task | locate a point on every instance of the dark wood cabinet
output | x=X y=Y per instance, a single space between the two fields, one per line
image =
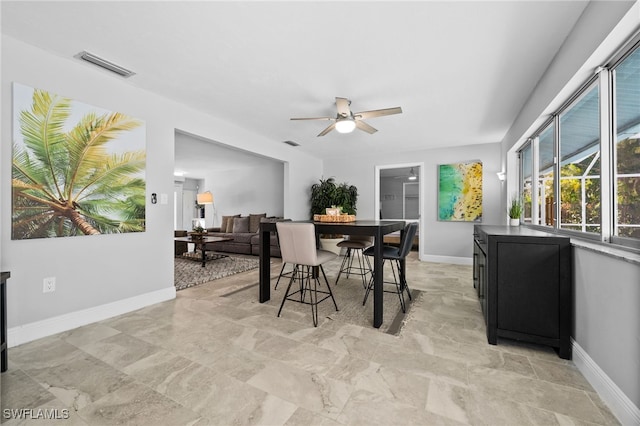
x=4 y=276
x=523 y=280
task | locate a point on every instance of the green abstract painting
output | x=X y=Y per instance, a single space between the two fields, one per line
x=460 y=192
x=76 y=169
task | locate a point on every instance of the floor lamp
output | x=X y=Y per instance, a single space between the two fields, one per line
x=204 y=198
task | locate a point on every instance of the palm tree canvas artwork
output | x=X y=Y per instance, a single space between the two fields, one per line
x=77 y=169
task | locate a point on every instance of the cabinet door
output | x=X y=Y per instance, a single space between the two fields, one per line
x=528 y=288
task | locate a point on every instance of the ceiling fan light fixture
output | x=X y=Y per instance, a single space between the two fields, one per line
x=345 y=125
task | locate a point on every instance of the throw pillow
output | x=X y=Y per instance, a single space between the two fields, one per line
x=241 y=224
x=227 y=223
x=254 y=221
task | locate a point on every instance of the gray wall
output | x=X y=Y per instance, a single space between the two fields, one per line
x=444 y=241
x=258 y=189
x=98 y=272
x=241 y=183
x=607 y=292
x=607 y=316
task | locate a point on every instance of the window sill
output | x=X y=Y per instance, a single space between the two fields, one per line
x=617 y=251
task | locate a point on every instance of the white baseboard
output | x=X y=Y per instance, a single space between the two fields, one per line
x=447 y=259
x=619 y=404
x=50 y=326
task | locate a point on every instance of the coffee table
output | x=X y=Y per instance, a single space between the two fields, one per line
x=202 y=242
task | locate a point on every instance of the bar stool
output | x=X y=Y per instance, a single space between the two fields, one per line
x=395 y=255
x=298 y=247
x=355 y=245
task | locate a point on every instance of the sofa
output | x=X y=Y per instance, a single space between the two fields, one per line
x=243 y=234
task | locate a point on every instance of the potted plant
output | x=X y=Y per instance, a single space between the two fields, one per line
x=327 y=194
x=197 y=232
x=515 y=211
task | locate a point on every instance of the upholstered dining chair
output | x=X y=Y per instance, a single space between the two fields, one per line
x=298 y=247
x=355 y=245
x=395 y=255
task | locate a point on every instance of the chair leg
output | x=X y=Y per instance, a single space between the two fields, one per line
x=366 y=293
x=342 y=265
x=351 y=256
x=364 y=269
x=399 y=286
x=286 y=293
x=313 y=294
x=403 y=280
x=398 y=279
x=328 y=287
x=280 y=275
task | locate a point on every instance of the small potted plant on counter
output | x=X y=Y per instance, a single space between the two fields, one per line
x=515 y=211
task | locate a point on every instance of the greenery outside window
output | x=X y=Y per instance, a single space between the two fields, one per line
x=526 y=165
x=580 y=164
x=627 y=146
x=585 y=160
x=546 y=167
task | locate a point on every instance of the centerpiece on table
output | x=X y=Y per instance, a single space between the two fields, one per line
x=331 y=202
x=198 y=233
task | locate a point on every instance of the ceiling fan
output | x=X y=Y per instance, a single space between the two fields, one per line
x=346 y=121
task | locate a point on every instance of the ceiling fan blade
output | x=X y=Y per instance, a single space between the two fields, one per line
x=342 y=104
x=378 y=113
x=365 y=127
x=328 y=129
x=313 y=118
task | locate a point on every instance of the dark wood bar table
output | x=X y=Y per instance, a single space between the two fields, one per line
x=375 y=228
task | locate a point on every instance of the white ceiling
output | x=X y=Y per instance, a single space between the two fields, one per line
x=461 y=71
x=196 y=157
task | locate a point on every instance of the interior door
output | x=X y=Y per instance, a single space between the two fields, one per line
x=411 y=200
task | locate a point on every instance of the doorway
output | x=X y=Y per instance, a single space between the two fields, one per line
x=398 y=193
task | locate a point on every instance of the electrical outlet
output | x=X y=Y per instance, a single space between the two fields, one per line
x=49 y=284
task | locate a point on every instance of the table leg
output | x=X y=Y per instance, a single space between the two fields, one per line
x=204 y=257
x=378 y=283
x=265 y=266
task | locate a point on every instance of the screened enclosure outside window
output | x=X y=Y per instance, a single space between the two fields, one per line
x=596 y=131
x=580 y=164
x=526 y=164
x=627 y=148
x=546 y=165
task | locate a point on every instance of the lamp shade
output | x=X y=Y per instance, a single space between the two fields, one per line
x=205 y=198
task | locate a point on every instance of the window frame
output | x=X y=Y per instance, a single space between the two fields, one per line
x=604 y=79
x=632 y=47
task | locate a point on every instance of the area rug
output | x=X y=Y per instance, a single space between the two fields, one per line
x=349 y=294
x=189 y=273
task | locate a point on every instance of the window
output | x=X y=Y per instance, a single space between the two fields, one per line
x=627 y=146
x=580 y=164
x=546 y=167
x=588 y=154
x=526 y=165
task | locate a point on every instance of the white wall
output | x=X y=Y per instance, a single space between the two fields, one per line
x=125 y=271
x=443 y=241
x=258 y=189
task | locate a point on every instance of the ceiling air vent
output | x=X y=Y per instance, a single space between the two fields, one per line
x=292 y=143
x=103 y=63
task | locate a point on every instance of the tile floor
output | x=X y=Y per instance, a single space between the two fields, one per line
x=204 y=359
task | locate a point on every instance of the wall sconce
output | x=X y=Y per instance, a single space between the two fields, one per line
x=501 y=176
x=205 y=198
